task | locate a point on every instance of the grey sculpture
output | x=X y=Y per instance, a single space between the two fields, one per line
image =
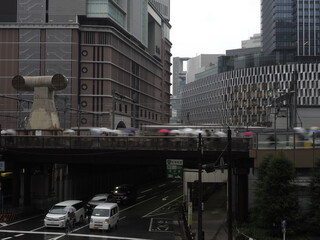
x=43 y=114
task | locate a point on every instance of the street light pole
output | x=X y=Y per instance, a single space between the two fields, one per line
x=200 y=150
x=229 y=186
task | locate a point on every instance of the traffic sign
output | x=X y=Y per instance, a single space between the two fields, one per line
x=174 y=168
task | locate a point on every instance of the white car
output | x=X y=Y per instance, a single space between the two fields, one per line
x=57 y=215
x=104 y=216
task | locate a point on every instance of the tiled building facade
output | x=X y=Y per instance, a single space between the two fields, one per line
x=117 y=60
x=244 y=97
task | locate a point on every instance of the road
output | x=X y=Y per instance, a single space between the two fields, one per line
x=151 y=217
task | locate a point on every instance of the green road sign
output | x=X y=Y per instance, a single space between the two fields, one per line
x=174 y=168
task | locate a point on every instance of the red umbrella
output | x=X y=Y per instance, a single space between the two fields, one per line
x=163 y=130
x=248 y=133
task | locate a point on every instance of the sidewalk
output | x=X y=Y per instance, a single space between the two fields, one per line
x=214 y=217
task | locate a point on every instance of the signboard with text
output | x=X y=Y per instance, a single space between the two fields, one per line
x=174 y=168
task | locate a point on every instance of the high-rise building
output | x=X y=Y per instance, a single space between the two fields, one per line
x=199 y=63
x=276 y=87
x=115 y=53
x=178 y=81
x=291 y=28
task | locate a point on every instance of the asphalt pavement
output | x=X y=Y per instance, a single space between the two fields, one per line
x=214 y=218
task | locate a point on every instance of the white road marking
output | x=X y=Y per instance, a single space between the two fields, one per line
x=148 y=190
x=37 y=229
x=26 y=219
x=70 y=234
x=137 y=204
x=3 y=224
x=148 y=214
x=19 y=235
x=120 y=219
x=6 y=238
x=141 y=197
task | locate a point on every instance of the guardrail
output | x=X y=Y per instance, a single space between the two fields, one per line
x=284 y=141
x=181 y=143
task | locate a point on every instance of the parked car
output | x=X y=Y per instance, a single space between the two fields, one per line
x=99 y=199
x=57 y=215
x=125 y=194
x=104 y=216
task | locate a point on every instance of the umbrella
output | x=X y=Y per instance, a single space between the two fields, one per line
x=132 y=129
x=95 y=131
x=4 y=132
x=175 y=131
x=299 y=130
x=69 y=131
x=163 y=130
x=249 y=133
x=220 y=134
x=70 y=209
x=128 y=131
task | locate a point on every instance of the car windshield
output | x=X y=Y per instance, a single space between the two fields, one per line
x=58 y=210
x=99 y=198
x=100 y=212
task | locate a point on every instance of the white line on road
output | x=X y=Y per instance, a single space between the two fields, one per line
x=6 y=238
x=122 y=218
x=37 y=229
x=141 y=197
x=70 y=234
x=19 y=235
x=161 y=207
x=148 y=190
x=137 y=204
x=26 y=219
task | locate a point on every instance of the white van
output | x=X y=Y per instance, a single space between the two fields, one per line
x=104 y=216
x=57 y=215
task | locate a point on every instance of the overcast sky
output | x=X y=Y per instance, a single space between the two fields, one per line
x=211 y=26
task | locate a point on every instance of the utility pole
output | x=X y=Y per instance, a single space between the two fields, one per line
x=293 y=99
x=229 y=186
x=200 y=150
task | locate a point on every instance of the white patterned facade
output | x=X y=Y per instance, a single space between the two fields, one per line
x=244 y=97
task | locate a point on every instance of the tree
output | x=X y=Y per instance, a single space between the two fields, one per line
x=276 y=198
x=315 y=197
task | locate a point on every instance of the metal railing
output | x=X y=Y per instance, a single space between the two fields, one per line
x=181 y=143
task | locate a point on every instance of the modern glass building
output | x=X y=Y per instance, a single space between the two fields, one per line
x=242 y=88
x=291 y=28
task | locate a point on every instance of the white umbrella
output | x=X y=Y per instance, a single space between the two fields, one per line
x=300 y=130
x=220 y=134
x=175 y=131
x=11 y=131
x=69 y=131
x=70 y=209
x=95 y=131
x=4 y=132
x=187 y=131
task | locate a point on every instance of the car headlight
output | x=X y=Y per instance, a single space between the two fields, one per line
x=61 y=218
x=106 y=221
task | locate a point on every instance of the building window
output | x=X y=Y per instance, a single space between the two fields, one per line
x=83 y=120
x=84 y=53
x=84 y=69
x=84 y=103
x=84 y=86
